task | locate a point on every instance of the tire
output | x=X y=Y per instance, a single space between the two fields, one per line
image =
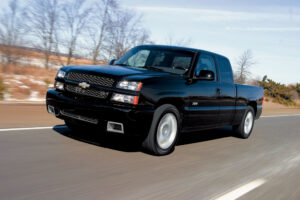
x=244 y=129
x=164 y=131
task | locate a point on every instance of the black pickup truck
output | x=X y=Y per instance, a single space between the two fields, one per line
x=157 y=92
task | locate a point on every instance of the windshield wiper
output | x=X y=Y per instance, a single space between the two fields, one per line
x=147 y=67
x=121 y=64
x=153 y=68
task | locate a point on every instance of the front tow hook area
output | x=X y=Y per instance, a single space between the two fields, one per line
x=52 y=110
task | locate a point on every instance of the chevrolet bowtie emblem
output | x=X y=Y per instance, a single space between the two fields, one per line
x=84 y=85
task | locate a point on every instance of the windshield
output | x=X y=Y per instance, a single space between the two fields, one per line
x=158 y=58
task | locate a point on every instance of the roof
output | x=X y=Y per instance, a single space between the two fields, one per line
x=183 y=48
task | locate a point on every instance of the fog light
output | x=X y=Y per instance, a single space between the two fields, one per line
x=51 y=110
x=115 y=127
x=59 y=85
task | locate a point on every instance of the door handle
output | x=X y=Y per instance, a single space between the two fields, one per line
x=218 y=91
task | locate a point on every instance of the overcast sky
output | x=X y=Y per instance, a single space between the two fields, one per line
x=271 y=29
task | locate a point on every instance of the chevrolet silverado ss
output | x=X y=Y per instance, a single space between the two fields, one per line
x=156 y=92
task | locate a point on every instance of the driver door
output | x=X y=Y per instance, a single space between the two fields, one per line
x=203 y=110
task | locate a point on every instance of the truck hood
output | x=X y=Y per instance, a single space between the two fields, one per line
x=114 y=71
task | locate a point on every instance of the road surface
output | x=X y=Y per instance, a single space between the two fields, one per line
x=54 y=163
x=28 y=114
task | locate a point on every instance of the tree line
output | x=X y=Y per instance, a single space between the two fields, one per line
x=97 y=30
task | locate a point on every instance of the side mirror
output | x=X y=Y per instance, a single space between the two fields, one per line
x=206 y=75
x=112 y=62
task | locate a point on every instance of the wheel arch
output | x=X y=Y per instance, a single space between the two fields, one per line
x=253 y=104
x=177 y=102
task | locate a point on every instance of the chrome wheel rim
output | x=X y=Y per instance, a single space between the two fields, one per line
x=248 y=123
x=166 y=131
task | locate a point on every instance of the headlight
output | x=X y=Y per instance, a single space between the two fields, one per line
x=61 y=74
x=125 y=98
x=130 y=85
x=59 y=85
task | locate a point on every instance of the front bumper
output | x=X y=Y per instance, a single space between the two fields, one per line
x=136 y=120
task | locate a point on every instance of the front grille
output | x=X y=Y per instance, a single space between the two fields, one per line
x=92 y=79
x=87 y=92
x=79 y=117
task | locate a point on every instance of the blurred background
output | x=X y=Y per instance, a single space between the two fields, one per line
x=261 y=38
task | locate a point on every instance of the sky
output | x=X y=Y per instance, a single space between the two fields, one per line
x=269 y=28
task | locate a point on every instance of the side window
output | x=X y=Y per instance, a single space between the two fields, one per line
x=205 y=62
x=225 y=70
x=139 y=59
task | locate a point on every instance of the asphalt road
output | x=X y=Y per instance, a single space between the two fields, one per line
x=56 y=164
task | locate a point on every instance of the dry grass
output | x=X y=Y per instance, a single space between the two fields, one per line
x=271 y=108
x=21 y=81
x=29 y=71
x=19 y=93
x=271 y=103
x=2 y=88
x=59 y=60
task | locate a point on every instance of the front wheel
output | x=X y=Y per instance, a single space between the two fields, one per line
x=244 y=129
x=163 y=134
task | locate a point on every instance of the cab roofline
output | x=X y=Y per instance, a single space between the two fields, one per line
x=181 y=48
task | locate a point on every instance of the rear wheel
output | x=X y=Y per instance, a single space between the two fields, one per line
x=163 y=134
x=244 y=129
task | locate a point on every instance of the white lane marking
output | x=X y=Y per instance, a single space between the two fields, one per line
x=25 y=129
x=269 y=116
x=237 y=193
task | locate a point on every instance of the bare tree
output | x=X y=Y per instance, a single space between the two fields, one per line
x=74 y=21
x=126 y=32
x=244 y=63
x=54 y=26
x=102 y=17
x=114 y=31
x=42 y=18
x=11 y=32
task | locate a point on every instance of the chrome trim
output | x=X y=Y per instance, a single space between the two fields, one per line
x=84 y=85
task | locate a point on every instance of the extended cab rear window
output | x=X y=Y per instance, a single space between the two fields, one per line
x=224 y=67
